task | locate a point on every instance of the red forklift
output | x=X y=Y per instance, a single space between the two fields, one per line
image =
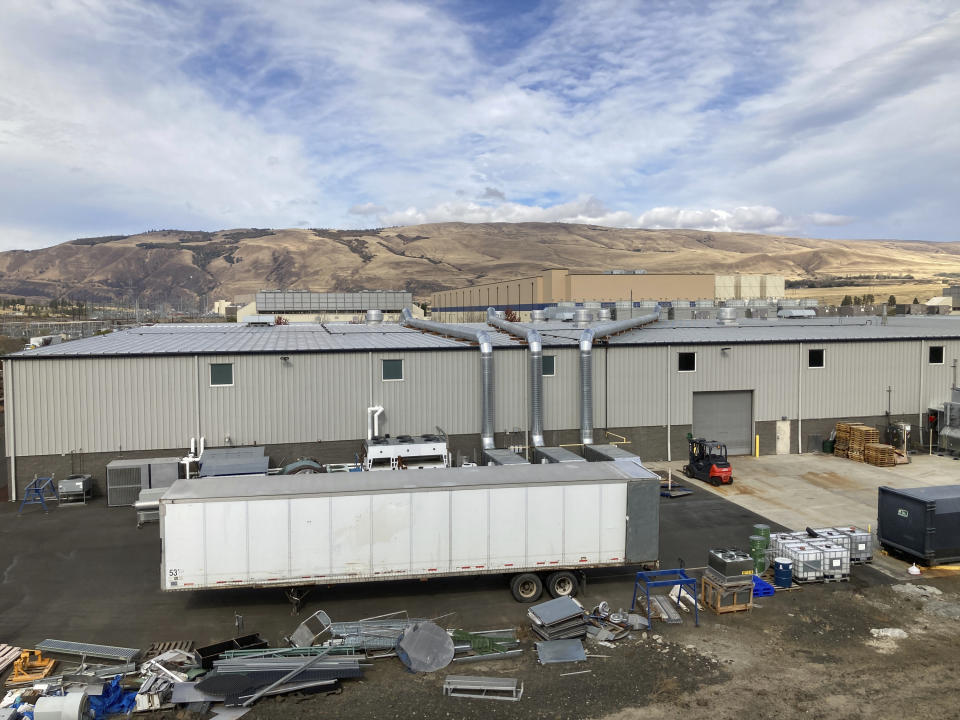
x=708 y=462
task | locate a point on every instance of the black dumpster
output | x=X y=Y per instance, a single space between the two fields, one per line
x=923 y=523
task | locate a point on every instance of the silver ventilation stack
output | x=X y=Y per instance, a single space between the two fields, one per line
x=487 y=386
x=586 y=366
x=534 y=369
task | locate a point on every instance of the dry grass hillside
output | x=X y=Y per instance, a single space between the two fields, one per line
x=171 y=265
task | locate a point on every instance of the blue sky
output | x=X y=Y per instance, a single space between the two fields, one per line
x=824 y=119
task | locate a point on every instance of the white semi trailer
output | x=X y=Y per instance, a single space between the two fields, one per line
x=540 y=524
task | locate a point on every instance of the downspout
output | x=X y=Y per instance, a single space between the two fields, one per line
x=482 y=338
x=534 y=371
x=12 y=407
x=587 y=338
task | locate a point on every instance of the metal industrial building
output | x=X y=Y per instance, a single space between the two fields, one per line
x=551 y=287
x=305 y=389
x=307 y=306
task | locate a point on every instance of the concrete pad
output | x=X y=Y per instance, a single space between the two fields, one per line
x=817 y=490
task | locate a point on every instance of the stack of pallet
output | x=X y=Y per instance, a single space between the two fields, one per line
x=880 y=455
x=860 y=437
x=842 y=442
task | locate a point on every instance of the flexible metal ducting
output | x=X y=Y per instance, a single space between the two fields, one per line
x=482 y=338
x=587 y=339
x=535 y=370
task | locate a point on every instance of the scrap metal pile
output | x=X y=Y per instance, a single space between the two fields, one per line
x=101 y=680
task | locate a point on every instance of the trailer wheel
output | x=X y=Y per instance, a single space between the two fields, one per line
x=526 y=587
x=562 y=584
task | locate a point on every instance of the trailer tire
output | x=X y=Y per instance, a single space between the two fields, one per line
x=526 y=587
x=562 y=584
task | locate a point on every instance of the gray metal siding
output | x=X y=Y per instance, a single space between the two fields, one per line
x=437 y=389
x=310 y=397
x=511 y=391
x=561 y=393
x=855 y=377
x=103 y=404
x=99 y=405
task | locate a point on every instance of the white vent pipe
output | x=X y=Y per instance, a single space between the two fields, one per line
x=535 y=370
x=587 y=339
x=482 y=338
x=373 y=421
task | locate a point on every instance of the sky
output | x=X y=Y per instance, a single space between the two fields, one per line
x=822 y=119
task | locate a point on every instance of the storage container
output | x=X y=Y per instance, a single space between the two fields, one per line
x=921 y=522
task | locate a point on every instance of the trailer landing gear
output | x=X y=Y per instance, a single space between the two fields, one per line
x=296 y=597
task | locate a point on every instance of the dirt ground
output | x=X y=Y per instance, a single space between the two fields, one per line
x=808 y=653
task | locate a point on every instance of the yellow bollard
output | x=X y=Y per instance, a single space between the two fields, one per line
x=756 y=445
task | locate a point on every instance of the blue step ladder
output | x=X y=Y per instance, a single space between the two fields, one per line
x=35 y=493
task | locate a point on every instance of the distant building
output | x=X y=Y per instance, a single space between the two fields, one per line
x=953 y=292
x=226 y=309
x=307 y=306
x=553 y=287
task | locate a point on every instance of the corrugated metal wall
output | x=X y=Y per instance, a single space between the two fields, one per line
x=104 y=404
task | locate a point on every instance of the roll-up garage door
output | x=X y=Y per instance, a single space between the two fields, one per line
x=726 y=417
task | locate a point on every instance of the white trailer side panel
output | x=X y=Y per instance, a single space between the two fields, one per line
x=310 y=537
x=613 y=525
x=300 y=538
x=507 y=528
x=268 y=525
x=351 y=524
x=430 y=533
x=390 y=550
x=544 y=514
x=470 y=546
x=226 y=543
x=581 y=527
x=183 y=552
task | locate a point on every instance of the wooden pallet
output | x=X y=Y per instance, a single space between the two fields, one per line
x=768 y=576
x=8 y=654
x=880 y=455
x=722 y=599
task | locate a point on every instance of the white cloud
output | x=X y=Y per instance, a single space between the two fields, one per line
x=120 y=116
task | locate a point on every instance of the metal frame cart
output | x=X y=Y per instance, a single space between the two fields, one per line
x=36 y=490
x=647 y=580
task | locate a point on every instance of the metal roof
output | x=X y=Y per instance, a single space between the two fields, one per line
x=233 y=338
x=247 y=486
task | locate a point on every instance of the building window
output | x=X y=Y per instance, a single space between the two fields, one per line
x=936 y=354
x=687 y=362
x=815 y=358
x=549 y=365
x=221 y=374
x=391 y=370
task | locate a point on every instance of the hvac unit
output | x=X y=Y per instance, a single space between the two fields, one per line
x=126 y=478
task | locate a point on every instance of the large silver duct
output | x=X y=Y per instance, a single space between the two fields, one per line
x=587 y=339
x=535 y=370
x=482 y=338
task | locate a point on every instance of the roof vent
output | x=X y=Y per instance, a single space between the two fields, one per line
x=374 y=317
x=726 y=316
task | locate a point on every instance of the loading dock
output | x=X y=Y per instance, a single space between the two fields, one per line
x=726 y=417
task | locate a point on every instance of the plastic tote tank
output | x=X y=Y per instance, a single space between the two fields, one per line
x=921 y=522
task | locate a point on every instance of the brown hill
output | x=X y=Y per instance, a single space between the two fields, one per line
x=173 y=265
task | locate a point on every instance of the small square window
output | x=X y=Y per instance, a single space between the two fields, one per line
x=687 y=362
x=221 y=374
x=936 y=354
x=815 y=358
x=549 y=365
x=391 y=370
